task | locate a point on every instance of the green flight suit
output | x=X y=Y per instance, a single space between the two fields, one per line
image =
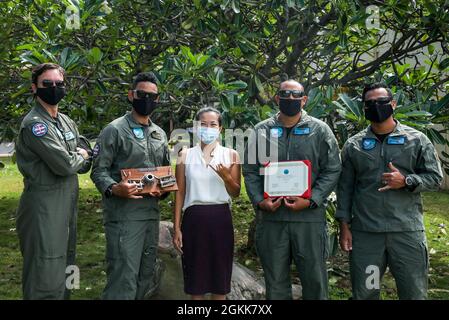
x=285 y=235
x=47 y=213
x=387 y=227
x=131 y=225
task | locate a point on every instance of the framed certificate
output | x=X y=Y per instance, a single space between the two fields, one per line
x=288 y=179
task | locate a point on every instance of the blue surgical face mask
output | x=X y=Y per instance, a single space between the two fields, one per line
x=207 y=135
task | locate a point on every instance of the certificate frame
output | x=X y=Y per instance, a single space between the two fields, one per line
x=307 y=194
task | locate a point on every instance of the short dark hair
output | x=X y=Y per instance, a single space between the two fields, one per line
x=209 y=109
x=41 y=68
x=144 y=77
x=373 y=86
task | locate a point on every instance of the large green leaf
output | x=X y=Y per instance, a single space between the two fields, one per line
x=236 y=85
x=94 y=55
x=350 y=105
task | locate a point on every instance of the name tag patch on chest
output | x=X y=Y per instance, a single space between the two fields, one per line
x=398 y=140
x=276 y=132
x=39 y=129
x=138 y=133
x=368 y=143
x=156 y=135
x=69 y=135
x=301 y=131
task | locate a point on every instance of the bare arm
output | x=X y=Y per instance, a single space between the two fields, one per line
x=233 y=185
x=231 y=175
x=179 y=199
x=181 y=192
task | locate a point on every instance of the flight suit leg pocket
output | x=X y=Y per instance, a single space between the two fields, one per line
x=115 y=237
x=325 y=243
x=51 y=276
x=259 y=238
x=425 y=253
x=149 y=253
x=50 y=242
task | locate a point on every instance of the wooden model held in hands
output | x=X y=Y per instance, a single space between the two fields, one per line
x=151 y=179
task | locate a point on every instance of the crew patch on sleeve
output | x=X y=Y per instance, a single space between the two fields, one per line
x=96 y=150
x=39 y=129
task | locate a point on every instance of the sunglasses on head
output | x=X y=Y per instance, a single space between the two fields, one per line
x=378 y=101
x=294 y=93
x=50 y=83
x=140 y=94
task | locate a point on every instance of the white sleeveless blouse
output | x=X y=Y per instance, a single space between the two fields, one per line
x=203 y=185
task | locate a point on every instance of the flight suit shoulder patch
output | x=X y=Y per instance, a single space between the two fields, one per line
x=276 y=132
x=368 y=143
x=96 y=150
x=39 y=129
x=138 y=133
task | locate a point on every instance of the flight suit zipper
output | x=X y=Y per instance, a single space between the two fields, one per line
x=60 y=127
x=383 y=170
x=288 y=144
x=147 y=149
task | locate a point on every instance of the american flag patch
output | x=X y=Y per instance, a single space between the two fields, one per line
x=39 y=129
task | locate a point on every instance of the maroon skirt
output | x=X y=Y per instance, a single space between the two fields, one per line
x=208 y=249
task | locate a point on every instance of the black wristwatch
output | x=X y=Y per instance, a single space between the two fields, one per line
x=312 y=204
x=410 y=183
x=108 y=192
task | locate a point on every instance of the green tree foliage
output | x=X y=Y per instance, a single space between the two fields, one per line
x=230 y=53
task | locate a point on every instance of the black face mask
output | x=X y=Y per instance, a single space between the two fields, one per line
x=51 y=95
x=378 y=110
x=290 y=107
x=144 y=106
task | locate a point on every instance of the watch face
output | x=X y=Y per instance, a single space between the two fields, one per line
x=408 y=181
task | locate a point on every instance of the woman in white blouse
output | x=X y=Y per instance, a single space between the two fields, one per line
x=208 y=176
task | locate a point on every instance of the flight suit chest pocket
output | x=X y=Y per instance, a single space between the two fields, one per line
x=156 y=140
x=402 y=156
x=134 y=147
x=365 y=160
x=70 y=139
x=67 y=136
x=157 y=148
x=157 y=145
x=301 y=145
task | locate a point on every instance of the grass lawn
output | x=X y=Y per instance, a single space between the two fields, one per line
x=91 y=243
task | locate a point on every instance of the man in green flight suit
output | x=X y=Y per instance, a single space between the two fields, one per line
x=293 y=227
x=385 y=169
x=49 y=159
x=131 y=221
